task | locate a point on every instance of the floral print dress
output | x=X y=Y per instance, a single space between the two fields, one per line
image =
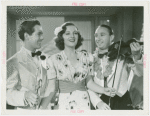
x=60 y=67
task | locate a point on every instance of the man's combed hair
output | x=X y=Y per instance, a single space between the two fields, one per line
x=60 y=40
x=27 y=27
x=109 y=29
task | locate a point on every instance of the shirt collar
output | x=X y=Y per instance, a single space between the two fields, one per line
x=103 y=51
x=28 y=51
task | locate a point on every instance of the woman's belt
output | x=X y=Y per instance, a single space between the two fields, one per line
x=67 y=86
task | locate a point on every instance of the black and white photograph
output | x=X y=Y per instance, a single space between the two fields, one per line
x=75 y=58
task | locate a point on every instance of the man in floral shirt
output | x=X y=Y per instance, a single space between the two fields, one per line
x=105 y=68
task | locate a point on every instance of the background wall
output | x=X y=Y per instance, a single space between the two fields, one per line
x=126 y=21
x=137 y=20
x=49 y=24
x=11 y=40
x=11 y=35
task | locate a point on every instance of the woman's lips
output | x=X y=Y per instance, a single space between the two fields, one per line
x=72 y=40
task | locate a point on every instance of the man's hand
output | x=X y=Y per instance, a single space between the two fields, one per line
x=32 y=98
x=103 y=106
x=110 y=92
x=136 y=50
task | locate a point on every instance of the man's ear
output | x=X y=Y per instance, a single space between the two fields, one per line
x=26 y=36
x=111 y=38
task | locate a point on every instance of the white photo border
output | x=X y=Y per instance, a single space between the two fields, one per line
x=145 y=4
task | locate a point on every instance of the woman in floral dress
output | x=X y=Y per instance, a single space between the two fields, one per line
x=73 y=69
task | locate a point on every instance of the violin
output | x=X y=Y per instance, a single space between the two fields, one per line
x=116 y=50
x=125 y=50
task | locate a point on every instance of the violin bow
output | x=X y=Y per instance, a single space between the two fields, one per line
x=116 y=65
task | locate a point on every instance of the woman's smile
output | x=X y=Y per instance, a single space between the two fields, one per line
x=72 y=40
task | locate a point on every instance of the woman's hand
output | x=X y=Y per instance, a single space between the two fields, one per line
x=99 y=89
x=103 y=106
x=109 y=92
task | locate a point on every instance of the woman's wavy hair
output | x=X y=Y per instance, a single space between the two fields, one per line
x=60 y=40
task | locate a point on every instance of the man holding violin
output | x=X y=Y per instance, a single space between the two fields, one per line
x=112 y=68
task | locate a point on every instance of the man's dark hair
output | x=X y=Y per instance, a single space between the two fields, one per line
x=27 y=27
x=109 y=29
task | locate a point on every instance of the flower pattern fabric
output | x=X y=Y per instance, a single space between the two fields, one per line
x=61 y=68
x=75 y=100
x=107 y=66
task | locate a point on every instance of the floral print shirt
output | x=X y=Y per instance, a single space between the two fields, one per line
x=103 y=67
x=61 y=68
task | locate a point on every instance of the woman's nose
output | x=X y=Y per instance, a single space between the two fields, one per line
x=72 y=35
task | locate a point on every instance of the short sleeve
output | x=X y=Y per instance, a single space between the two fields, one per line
x=51 y=71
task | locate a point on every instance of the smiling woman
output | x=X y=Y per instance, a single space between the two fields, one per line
x=73 y=70
x=70 y=36
x=59 y=31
